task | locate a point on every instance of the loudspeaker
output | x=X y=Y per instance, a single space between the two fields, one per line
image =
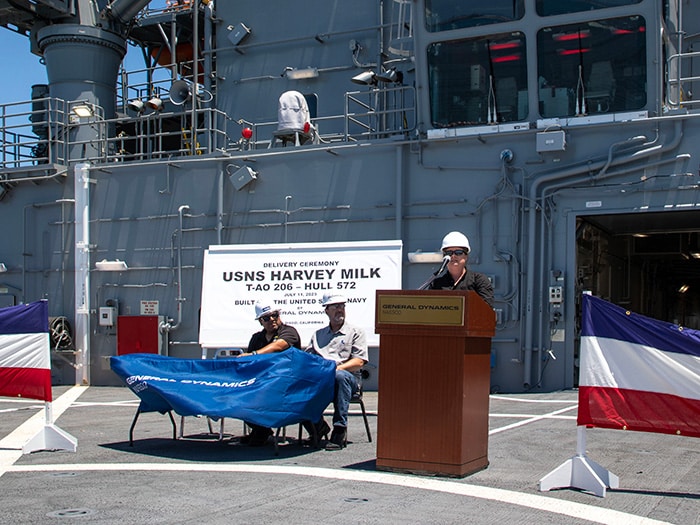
x=180 y=92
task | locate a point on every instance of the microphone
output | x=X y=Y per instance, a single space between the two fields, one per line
x=445 y=262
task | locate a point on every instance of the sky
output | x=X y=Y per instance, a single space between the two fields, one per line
x=22 y=69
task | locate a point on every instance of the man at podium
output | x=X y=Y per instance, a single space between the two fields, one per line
x=455 y=245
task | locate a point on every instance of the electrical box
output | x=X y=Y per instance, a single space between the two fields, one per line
x=551 y=141
x=108 y=314
x=237 y=33
x=556 y=294
x=477 y=78
x=242 y=176
x=139 y=334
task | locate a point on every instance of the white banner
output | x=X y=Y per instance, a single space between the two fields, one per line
x=294 y=277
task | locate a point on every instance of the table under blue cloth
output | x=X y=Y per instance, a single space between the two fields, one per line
x=272 y=390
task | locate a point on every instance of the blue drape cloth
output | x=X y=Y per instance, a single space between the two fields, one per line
x=271 y=390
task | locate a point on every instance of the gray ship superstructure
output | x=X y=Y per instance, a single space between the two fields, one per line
x=559 y=136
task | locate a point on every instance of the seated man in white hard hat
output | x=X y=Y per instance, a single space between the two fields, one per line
x=274 y=337
x=345 y=344
x=458 y=276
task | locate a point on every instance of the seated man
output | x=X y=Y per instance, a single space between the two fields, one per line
x=347 y=346
x=274 y=337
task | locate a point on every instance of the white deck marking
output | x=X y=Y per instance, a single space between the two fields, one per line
x=11 y=445
x=532 y=419
x=11 y=451
x=581 y=511
x=525 y=400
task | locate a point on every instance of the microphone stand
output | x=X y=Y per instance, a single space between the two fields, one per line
x=439 y=271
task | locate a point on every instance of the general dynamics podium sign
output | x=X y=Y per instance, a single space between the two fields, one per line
x=438 y=310
x=294 y=277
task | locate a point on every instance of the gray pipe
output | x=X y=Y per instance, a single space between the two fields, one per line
x=123 y=10
x=166 y=328
x=195 y=77
x=573 y=171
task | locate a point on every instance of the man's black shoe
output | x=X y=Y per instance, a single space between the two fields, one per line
x=338 y=439
x=257 y=437
x=321 y=427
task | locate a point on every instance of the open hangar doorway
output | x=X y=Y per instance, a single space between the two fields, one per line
x=648 y=263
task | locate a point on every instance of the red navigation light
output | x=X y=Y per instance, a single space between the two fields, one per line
x=307 y=127
x=247 y=133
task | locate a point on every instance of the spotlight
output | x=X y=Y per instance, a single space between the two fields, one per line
x=155 y=103
x=111 y=266
x=300 y=74
x=390 y=76
x=83 y=110
x=366 y=78
x=136 y=106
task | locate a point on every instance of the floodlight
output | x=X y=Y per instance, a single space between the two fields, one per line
x=300 y=74
x=155 y=103
x=136 y=105
x=111 y=266
x=83 y=110
x=389 y=76
x=366 y=78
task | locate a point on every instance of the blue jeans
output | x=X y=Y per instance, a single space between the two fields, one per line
x=345 y=386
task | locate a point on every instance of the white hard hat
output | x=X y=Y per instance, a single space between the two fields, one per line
x=329 y=298
x=264 y=309
x=456 y=239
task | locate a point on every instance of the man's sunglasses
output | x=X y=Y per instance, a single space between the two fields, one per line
x=454 y=252
x=270 y=317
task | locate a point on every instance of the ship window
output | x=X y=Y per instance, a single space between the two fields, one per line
x=443 y=15
x=596 y=67
x=560 y=7
x=478 y=81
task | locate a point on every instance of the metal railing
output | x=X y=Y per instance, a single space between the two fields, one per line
x=679 y=88
x=48 y=130
x=379 y=113
x=368 y=115
x=32 y=133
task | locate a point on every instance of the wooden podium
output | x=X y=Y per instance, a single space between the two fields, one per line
x=434 y=381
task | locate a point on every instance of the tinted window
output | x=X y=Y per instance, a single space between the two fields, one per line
x=443 y=15
x=478 y=81
x=595 y=67
x=559 y=7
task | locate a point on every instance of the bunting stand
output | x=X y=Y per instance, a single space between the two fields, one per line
x=25 y=368
x=580 y=472
x=637 y=374
x=50 y=437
